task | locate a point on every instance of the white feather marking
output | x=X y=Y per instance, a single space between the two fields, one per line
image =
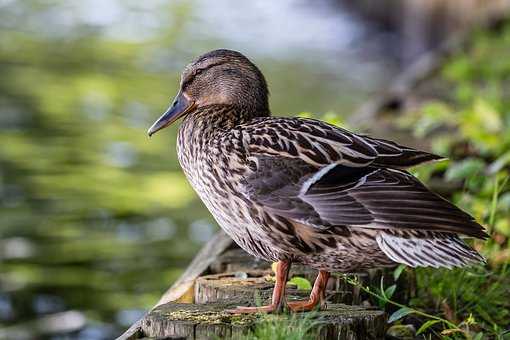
x=435 y=251
x=355 y=154
x=316 y=177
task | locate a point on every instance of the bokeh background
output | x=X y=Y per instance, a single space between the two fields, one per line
x=97 y=220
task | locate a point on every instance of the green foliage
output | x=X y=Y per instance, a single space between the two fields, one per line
x=293 y=327
x=426 y=325
x=386 y=293
x=478 y=294
x=301 y=283
x=381 y=295
x=471 y=126
x=398 y=271
x=399 y=314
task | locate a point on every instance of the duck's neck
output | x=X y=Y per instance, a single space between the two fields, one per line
x=200 y=134
x=206 y=121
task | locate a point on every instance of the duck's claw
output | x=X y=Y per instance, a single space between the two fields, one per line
x=302 y=306
x=316 y=295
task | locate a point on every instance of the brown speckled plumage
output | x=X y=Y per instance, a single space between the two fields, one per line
x=301 y=190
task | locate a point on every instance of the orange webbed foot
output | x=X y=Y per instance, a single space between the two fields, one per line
x=302 y=306
x=316 y=295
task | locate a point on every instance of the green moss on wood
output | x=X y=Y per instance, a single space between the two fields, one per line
x=197 y=321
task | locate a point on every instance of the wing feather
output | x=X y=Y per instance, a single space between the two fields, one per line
x=321 y=144
x=367 y=197
x=390 y=199
x=354 y=181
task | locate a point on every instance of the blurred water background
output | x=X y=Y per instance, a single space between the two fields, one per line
x=96 y=220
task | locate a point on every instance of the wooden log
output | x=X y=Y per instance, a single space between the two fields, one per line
x=208 y=321
x=233 y=286
x=237 y=260
x=182 y=289
x=195 y=321
x=248 y=286
x=250 y=282
x=258 y=285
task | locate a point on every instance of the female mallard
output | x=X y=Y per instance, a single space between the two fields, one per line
x=301 y=190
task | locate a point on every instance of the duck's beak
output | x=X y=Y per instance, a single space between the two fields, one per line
x=179 y=108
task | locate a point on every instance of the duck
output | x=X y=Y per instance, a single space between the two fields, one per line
x=299 y=190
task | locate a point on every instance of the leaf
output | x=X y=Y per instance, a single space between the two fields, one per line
x=503 y=227
x=389 y=291
x=398 y=271
x=301 y=283
x=399 y=314
x=433 y=115
x=499 y=163
x=470 y=320
x=488 y=117
x=465 y=169
x=426 y=325
x=382 y=290
x=478 y=336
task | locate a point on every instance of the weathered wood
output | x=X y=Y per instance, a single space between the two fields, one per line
x=206 y=318
x=237 y=260
x=250 y=283
x=182 y=289
x=253 y=285
x=235 y=264
x=207 y=255
x=233 y=286
x=207 y=321
x=193 y=321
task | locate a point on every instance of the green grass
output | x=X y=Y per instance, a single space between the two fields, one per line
x=470 y=124
x=284 y=327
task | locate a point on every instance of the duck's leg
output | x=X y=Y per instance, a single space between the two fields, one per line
x=317 y=294
x=282 y=272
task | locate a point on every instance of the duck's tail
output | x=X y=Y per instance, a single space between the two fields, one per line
x=427 y=249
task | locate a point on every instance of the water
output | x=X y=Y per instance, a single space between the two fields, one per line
x=96 y=220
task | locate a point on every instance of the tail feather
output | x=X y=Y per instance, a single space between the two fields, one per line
x=428 y=249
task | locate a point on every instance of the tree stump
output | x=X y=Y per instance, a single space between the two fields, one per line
x=228 y=286
x=206 y=318
x=235 y=261
x=194 y=307
x=253 y=285
x=209 y=321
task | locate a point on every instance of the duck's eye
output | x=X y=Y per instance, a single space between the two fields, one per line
x=197 y=72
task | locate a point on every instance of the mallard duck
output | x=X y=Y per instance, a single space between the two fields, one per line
x=298 y=190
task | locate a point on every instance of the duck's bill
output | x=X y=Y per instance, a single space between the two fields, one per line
x=179 y=108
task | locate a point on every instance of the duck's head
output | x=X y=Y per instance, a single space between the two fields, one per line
x=219 y=77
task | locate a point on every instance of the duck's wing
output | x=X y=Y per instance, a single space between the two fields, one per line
x=340 y=193
x=321 y=144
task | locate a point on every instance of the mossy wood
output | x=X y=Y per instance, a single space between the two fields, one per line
x=223 y=276
x=209 y=321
